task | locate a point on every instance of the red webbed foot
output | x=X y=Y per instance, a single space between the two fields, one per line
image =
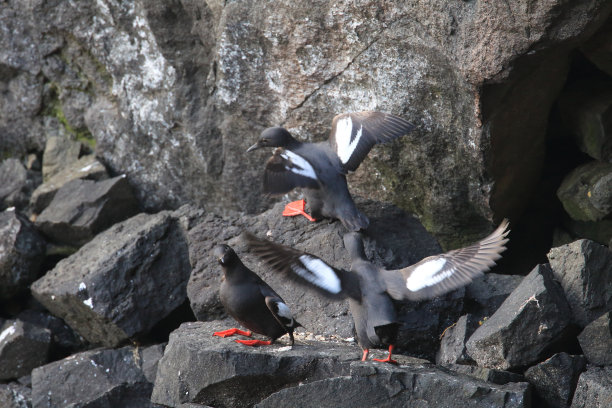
x=231 y=332
x=297 y=208
x=253 y=343
x=364 y=357
x=388 y=359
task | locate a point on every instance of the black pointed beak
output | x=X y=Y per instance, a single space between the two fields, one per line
x=254 y=147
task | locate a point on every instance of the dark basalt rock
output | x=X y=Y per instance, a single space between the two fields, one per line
x=64 y=340
x=486 y=294
x=113 y=287
x=491 y=375
x=584 y=269
x=594 y=388
x=531 y=319
x=452 y=346
x=596 y=340
x=102 y=378
x=309 y=374
x=14 y=395
x=555 y=379
x=23 y=346
x=16 y=184
x=22 y=254
x=82 y=208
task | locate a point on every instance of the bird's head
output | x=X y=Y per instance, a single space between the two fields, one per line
x=273 y=137
x=225 y=254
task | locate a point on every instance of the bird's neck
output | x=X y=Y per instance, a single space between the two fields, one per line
x=292 y=143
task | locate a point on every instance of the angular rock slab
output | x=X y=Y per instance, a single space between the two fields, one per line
x=23 y=346
x=491 y=375
x=87 y=167
x=394 y=239
x=594 y=389
x=14 y=184
x=532 y=317
x=104 y=378
x=22 y=252
x=584 y=269
x=14 y=395
x=82 y=208
x=555 y=379
x=452 y=346
x=303 y=376
x=122 y=282
x=596 y=340
x=586 y=192
x=486 y=294
x=59 y=153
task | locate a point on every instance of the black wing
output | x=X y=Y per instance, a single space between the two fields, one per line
x=354 y=134
x=439 y=274
x=285 y=171
x=306 y=269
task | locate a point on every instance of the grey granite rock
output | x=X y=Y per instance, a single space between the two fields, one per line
x=596 y=340
x=23 y=347
x=530 y=319
x=122 y=282
x=309 y=374
x=83 y=208
x=594 y=389
x=15 y=395
x=584 y=269
x=104 y=378
x=555 y=379
x=22 y=253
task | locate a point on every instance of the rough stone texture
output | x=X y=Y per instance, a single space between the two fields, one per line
x=150 y=357
x=309 y=374
x=487 y=374
x=584 y=269
x=555 y=379
x=452 y=347
x=14 y=395
x=594 y=388
x=189 y=83
x=530 y=319
x=23 y=347
x=586 y=111
x=486 y=294
x=16 y=184
x=596 y=340
x=102 y=378
x=394 y=240
x=64 y=340
x=122 y=282
x=82 y=208
x=586 y=193
x=87 y=167
x=597 y=48
x=22 y=251
x=59 y=153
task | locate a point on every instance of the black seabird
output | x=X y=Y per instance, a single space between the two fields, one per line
x=251 y=302
x=370 y=288
x=320 y=169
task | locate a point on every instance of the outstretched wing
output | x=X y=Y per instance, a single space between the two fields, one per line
x=306 y=269
x=286 y=170
x=354 y=134
x=439 y=274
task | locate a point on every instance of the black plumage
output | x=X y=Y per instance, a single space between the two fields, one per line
x=251 y=301
x=320 y=169
x=370 y=288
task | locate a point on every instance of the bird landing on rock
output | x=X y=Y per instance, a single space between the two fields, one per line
x=251 y=302
x=320 y=169
x=370 y=288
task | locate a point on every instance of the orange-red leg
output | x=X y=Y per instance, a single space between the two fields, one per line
x=297 y=208
x=388 y=359
x=231 y=332
x=252 y=343
x=364 y=357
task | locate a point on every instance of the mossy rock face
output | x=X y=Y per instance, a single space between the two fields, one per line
x=586 y=193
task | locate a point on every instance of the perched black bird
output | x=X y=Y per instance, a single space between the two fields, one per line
x=370 y=288
x=249 y=300
x=320 y=168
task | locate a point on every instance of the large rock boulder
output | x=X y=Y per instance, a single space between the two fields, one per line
x=14 y=395
x=586 y=193
x=584 y=269
x=309 y=374
x=102 y=378
x=594 y=388
x=16 y=184
x=526 y=324
x=394 y=240
x=596 y=340
x=22 y=252
x=122 y=282
x=192 y=83
x=23 y=346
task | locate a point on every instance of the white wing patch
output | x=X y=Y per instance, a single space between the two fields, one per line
x=283 y=311
x=318 y=273
x=302 y=167
x=345 y=147
x=428 y=274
